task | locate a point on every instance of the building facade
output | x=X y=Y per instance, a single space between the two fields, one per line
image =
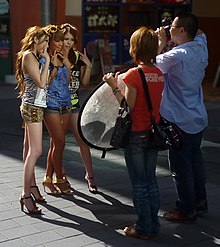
x=16 y=16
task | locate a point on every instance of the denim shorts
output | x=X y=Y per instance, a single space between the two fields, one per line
x=75 y=109
x=63 y=110
x=31 y=113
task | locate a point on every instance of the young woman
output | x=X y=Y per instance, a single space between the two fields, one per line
x=31 y=75
x=141 y=161
x=57 y=113
x=80 y=75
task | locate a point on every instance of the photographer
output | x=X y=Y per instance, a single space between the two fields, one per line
x=182 y=103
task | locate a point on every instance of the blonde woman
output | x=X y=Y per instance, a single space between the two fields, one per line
x=31 y=76
x=57 y=113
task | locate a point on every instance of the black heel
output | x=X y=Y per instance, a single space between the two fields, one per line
x=34 y=210
x=22 y=204
x=92 y=188
x=40 y=198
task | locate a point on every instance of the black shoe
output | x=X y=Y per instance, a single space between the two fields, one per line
x=202 y=209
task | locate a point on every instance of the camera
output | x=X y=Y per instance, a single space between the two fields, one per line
x=166 y=23
x=167 y=29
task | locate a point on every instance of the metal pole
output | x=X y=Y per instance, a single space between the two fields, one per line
x=47 y=13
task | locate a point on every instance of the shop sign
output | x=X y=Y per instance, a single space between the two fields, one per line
x=102 y=19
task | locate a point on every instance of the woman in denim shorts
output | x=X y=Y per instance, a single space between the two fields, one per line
x=57 y=113
x=80 y=75
x=31 y=73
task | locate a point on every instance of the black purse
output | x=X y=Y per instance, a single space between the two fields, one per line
x=121 y=130
x=165 y=134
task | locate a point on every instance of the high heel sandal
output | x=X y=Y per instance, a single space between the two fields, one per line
x=67 y=181
x=37 y=198
x=61 y=184
x=34 y=210
x=47 y=182
x=92 y=187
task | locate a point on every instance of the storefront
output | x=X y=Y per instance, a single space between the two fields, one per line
x=5 y=40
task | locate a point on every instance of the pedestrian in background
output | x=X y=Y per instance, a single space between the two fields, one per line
x=31 y=75
x=141 y=162
x=80 y=76
x=182 y=104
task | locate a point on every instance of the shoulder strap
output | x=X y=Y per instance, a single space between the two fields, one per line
x=38 y=59
x=146 y=90
x=36 y=56
x=147 y=93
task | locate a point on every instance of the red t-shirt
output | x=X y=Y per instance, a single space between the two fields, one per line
x=140 y=114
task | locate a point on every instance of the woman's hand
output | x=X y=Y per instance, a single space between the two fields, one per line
x=57 y=58
x=45 y=55
x=84 y=58
x=162 y=37
x=111 y=80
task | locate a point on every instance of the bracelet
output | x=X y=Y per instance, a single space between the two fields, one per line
x=116 y=90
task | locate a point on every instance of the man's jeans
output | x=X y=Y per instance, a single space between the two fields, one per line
x=141 y=164
x=188 y=174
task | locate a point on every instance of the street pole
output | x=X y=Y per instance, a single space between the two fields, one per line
x=47 y=12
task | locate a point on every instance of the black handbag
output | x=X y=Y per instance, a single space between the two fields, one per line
x=165 y=134
x=121 y=130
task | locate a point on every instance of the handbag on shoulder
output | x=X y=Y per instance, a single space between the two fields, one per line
x=121 y=130
x=165 y=134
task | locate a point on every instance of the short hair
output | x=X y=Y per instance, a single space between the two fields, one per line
x=144 y=45
x=189 y=22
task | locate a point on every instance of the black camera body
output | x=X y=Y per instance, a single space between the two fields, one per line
x=166 y=23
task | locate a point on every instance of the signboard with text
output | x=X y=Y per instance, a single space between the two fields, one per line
x=101 y=19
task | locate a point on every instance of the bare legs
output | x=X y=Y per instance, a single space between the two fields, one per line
x=32 y=150
x=57 y=126
x=84 y=152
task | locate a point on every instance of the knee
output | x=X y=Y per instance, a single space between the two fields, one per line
x=36 y=153
x=59 y=143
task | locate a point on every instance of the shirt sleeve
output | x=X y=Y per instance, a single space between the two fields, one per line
x=131 y=77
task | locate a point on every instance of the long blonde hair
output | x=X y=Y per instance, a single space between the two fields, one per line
x=27 y=43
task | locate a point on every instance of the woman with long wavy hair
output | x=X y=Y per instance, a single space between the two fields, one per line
x=31 y=74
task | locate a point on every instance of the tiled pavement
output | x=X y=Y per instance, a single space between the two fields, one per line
x=96 y=220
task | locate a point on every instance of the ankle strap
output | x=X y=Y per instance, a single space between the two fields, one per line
x=59 y=180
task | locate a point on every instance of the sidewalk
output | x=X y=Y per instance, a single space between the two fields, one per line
x=96 y=220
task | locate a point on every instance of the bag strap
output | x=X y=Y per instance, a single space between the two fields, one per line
x=123 y=107
x=146 y=89
x=147 y=93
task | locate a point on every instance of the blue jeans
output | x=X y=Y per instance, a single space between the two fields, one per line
x=141 y=165
x=188 y=173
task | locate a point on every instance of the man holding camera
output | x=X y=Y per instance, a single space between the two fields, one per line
x=182 y=104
